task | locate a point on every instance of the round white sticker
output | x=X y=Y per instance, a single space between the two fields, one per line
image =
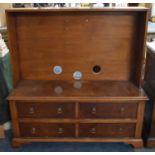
x=77 y=75
x=57 y=69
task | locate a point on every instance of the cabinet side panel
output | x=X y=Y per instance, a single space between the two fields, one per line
x=140 y=116
x=140 y=49
x=14 y=118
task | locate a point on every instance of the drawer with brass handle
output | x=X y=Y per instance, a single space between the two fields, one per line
x=108 y=110
x=106 y=130
x=45 y=110
x=47 y=130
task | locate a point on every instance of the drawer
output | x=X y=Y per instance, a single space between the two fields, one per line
x=47 y=130
x=106 y=130
x=108 y=110
x=45 y=110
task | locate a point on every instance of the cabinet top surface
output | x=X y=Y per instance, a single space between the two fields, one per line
x=77 y=90
x=76 y=9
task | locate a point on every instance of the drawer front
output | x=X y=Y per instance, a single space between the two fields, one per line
x=46 y=110
x=47 y=130
x=108 y=110
x=107 y=130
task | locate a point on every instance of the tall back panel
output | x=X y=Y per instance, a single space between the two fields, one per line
x=77 y=41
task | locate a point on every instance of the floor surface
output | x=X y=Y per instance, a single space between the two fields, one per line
x=5 y=146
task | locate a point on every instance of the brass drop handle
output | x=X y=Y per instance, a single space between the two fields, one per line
x=122 y=110
x=31 y=110
x=60 y=130
x=93 y=111
x=33 y=130
x=59 y=110
x=93 y=131
x=120 y=129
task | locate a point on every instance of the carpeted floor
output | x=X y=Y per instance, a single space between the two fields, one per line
x=5 y=146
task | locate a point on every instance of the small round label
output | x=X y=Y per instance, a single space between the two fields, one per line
x=57 y=69
x=77 y=75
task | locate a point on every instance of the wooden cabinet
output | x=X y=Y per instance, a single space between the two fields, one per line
x=107 y=48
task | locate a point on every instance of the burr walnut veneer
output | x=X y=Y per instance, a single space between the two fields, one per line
x=106 y=45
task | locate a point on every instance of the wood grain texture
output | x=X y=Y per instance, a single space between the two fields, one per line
x=150 y=142
x=43 y=120
x=45 y=110
x=12 y=37
x=106 y=130
x=140 y=118
x=77 y=130
x=72 y=35
x=64 y=38
x=47 y=130
x=14 y=119
x=108 y=110
x=60 y=41
x=141 y=36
